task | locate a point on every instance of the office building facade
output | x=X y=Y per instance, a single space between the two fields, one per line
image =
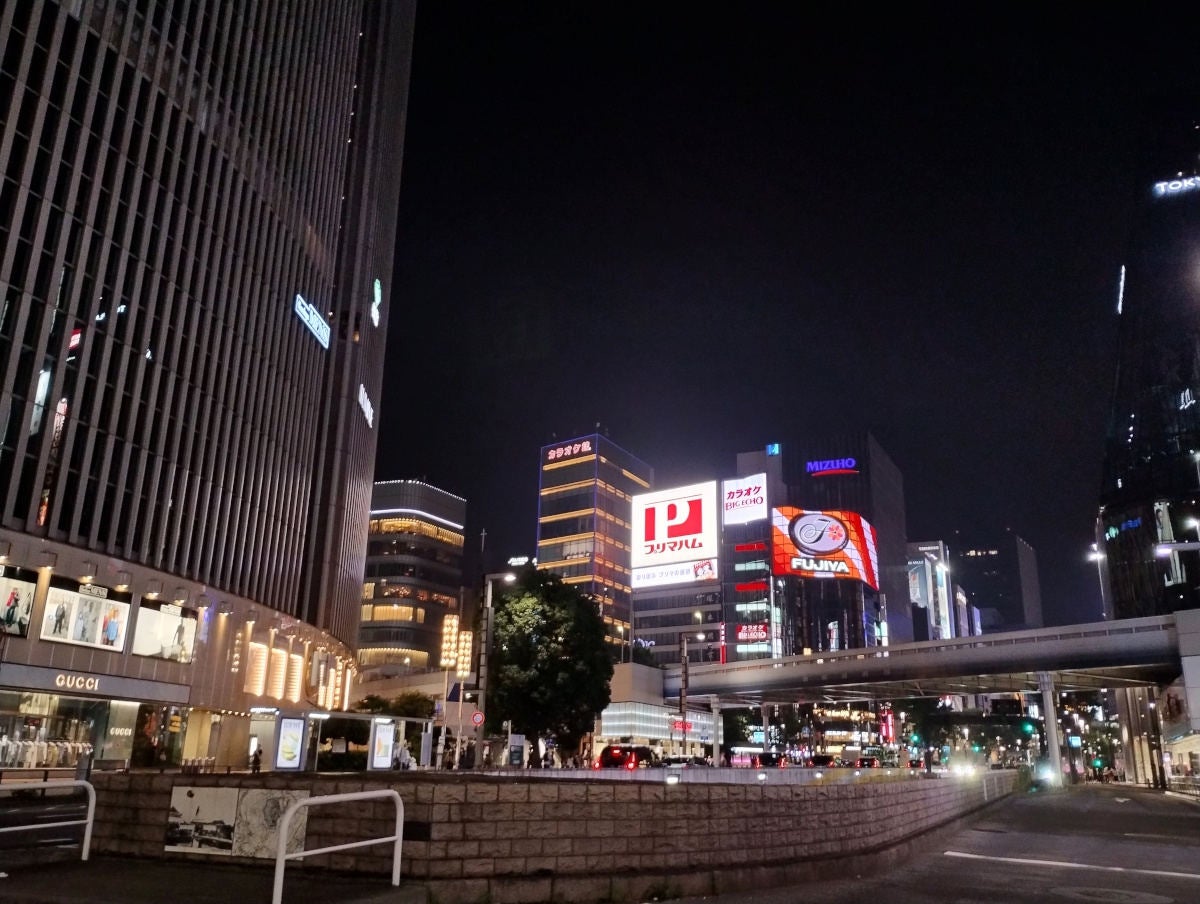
x=197 y=221
x=1150 y=493
x=583 y=530
x=1000 y=577
x=413 y=576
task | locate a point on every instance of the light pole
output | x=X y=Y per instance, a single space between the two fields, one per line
x=485 y=650
x=621 y=651
x=1095 y=555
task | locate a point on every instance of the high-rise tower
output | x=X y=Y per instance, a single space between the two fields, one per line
x=197 y=220
x=1150 y=496
x=583 y=534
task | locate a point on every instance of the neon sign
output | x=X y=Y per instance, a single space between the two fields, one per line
x=311 y=318
x=1177 y=186
x=377 y=303
x=364 y=402
x=831 y=466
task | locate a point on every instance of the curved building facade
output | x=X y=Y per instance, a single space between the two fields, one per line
x=413 y=578
x=1150 y=498
x=197 y=222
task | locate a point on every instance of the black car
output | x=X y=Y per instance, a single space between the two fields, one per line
x=822 y=761
x=624 y=756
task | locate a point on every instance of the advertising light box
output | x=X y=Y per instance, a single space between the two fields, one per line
x=824 y=545
x=674 y=526
x=87 y=616
x=679 y=573
x=744 y=499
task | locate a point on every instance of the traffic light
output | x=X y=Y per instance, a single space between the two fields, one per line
x=1097 y=762
x=916 y=738
x=1027 y=727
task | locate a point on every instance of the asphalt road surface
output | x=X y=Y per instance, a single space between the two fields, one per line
x=1094 y=843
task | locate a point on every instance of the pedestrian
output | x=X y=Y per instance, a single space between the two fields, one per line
x=256 y=761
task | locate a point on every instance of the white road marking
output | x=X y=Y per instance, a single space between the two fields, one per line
x=1024 y=861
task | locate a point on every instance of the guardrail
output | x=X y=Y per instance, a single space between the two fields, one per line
x=60 y=783
x=1185 y=784
x=281 y=855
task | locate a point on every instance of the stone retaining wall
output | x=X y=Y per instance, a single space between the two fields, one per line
x=500 y=839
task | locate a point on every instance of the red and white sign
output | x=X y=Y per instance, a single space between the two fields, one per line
x=824 y=545
x=477 y=718
x=672 y=526
x=680 y=725
x=744 y=499
x=759 y=633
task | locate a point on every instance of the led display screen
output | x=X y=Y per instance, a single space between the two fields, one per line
x=823 y=545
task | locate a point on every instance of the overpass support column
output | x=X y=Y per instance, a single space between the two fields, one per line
x=1050 y=722
x=718 y=734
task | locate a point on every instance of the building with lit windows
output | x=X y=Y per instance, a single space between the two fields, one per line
x=413 y=577
x=999 y=575
x=1150 y=495
x=583 y=531
x=198 y=205
x=837 y=538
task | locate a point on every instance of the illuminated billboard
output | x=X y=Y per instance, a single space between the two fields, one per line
x=824 y=545
x=744 y=499
x=673 y=526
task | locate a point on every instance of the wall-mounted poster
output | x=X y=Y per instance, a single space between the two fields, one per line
x=164 y=630
x=383 y=741
x=231 y=821
x=289 y=751
x=86 y=615
x=16 y=599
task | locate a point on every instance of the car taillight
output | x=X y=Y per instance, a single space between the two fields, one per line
x=596 y=765
x=632 y=764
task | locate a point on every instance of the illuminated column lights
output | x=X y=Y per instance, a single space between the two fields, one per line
x=448 y=660
x=462 y=668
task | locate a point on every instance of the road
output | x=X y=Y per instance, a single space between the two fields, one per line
x=1094 y=843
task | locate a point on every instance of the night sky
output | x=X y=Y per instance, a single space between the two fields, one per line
x=709 y=228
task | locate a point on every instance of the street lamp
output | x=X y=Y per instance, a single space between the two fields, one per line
x=485 y=650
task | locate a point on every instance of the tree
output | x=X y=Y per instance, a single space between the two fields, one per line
x=550 y=665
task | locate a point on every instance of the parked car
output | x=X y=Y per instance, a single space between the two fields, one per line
x=867 y=762
x=683 y=762
x=624 y=756
x=768 y=758
x=822 y=761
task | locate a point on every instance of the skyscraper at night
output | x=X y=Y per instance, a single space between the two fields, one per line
x=197 y=223
x=414 y=575
x=583 y=532
x=1150 y=495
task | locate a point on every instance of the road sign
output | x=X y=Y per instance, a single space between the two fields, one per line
x=477 y=718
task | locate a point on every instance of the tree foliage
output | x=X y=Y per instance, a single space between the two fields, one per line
x=550 y=667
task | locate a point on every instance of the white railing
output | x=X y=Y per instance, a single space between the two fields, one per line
x=59 y=783
x=281 y=855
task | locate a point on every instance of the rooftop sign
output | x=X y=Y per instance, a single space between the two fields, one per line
x=311 y=318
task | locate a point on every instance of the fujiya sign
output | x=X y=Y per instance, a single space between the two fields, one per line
x=311 y=318
x=1176 y=186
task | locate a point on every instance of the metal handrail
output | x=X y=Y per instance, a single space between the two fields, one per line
x=60 y=783
x=281 y=855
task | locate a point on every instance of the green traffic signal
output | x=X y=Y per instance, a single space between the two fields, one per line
x=1027 y=727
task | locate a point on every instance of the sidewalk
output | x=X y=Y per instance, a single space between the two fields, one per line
x=111 y=880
